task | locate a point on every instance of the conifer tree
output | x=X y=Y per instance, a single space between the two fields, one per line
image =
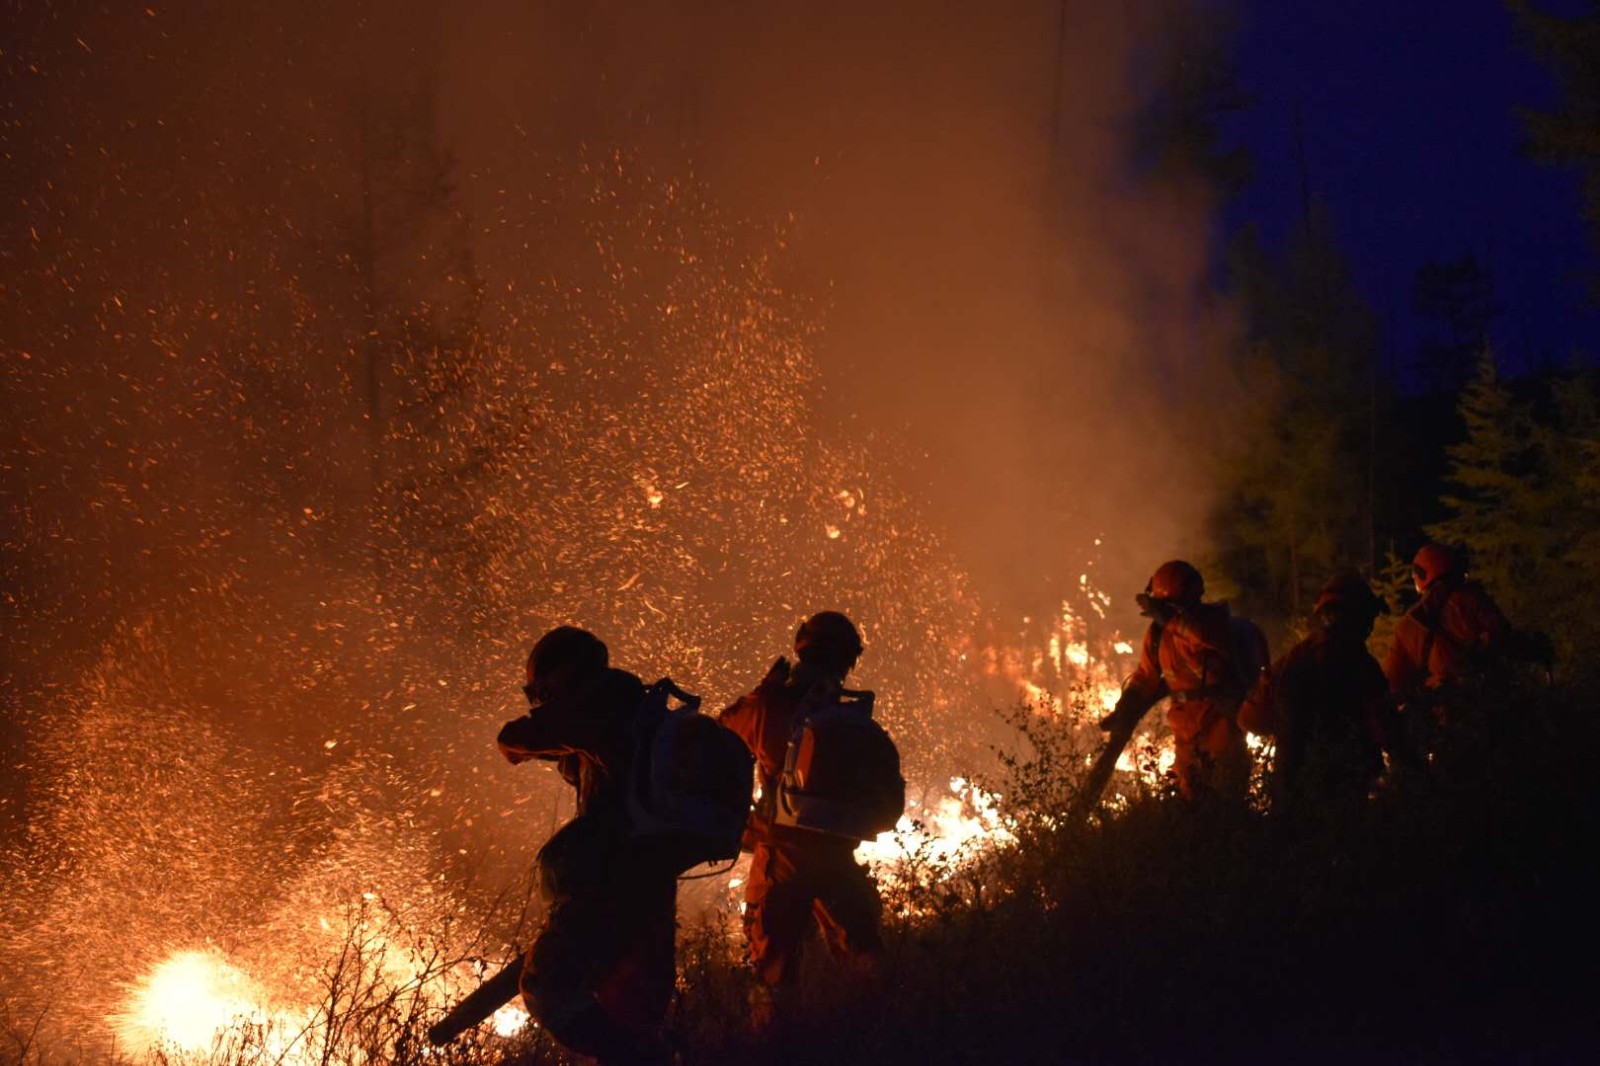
x=1297 y=506
x=1497 y=494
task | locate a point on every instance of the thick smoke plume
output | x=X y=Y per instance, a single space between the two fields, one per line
x=1003 y=292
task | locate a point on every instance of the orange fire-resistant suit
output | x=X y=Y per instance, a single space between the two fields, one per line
x=797 y=876
x=600 y=973
x=1190 y=660
x=1454 y=631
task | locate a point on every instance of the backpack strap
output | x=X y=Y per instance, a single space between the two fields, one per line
x=1158 y=628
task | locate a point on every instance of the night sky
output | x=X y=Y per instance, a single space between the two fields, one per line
x=1412 y=142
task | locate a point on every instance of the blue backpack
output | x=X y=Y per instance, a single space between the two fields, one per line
x=841 y=771
x=689 y=792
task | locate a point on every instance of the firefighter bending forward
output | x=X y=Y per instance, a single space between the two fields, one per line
x=600 y=973
x=798 y=876
x=1188 y=657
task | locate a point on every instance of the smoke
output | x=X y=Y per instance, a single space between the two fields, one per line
x=1004 y=293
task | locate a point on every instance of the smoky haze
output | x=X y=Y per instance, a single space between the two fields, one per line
x=349 y=346
x=1003 y=294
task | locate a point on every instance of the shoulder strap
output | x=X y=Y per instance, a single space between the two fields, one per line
x=1157 y=629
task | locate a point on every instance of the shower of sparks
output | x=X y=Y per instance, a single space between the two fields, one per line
x=270 y=641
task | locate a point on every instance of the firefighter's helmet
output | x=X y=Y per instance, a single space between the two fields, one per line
x=1348 y=595
x=566 y=652
x=1177 y=583
x=828 y=638
x=1433 y=562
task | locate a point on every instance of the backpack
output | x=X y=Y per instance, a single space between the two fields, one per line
x=689 y=791
x=841 y=772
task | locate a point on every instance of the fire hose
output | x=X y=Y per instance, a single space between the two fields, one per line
x=489 y=997
x=1119 y=726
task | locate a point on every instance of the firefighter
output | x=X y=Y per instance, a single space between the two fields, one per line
x=1454 y=641
x=798 y=876
x=1191 y=658
x=600 y=973
x=1327 y=703
x=1454 y=631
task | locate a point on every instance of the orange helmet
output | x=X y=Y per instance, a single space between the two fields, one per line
x=1177 y=582
x=1433 y=562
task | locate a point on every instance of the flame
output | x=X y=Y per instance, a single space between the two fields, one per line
x=510 y=1019
x=1078 y=673
x=188 y=1001
x=953 y=830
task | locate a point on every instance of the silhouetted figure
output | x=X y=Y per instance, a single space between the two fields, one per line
x=600 y=973
x=800 y=876
x=1195 y=656
x=1327 y=703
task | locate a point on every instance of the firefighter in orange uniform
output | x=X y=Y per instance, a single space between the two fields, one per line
x=1327 y=703
x=1454 y=631
x=1189 y=658
x=798 y=876
x=600 y=973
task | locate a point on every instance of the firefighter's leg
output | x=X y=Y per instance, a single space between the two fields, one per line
x=1188 y=765
x=1226 y=758
x=638 y=989
x=1211 y=755
x=583 y=944
x=777 y=913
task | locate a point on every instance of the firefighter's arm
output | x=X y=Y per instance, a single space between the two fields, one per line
x=744 y=716
x=741 y=717
x=1258 y=713
x=548 y=731
x=1399 y=668
x=1143 y=689
x=1492 y=632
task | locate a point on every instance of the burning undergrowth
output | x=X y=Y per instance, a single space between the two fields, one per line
x=281 y=709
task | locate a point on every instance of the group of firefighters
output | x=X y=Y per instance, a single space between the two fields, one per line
x=600 y=974
x=1335 y=713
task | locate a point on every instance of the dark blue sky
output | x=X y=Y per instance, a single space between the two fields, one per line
x=1413 y=142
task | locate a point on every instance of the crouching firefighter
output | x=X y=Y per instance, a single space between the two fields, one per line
x=1203 y=660
x=660 y=788
x=600 y=973
x=829 y=778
